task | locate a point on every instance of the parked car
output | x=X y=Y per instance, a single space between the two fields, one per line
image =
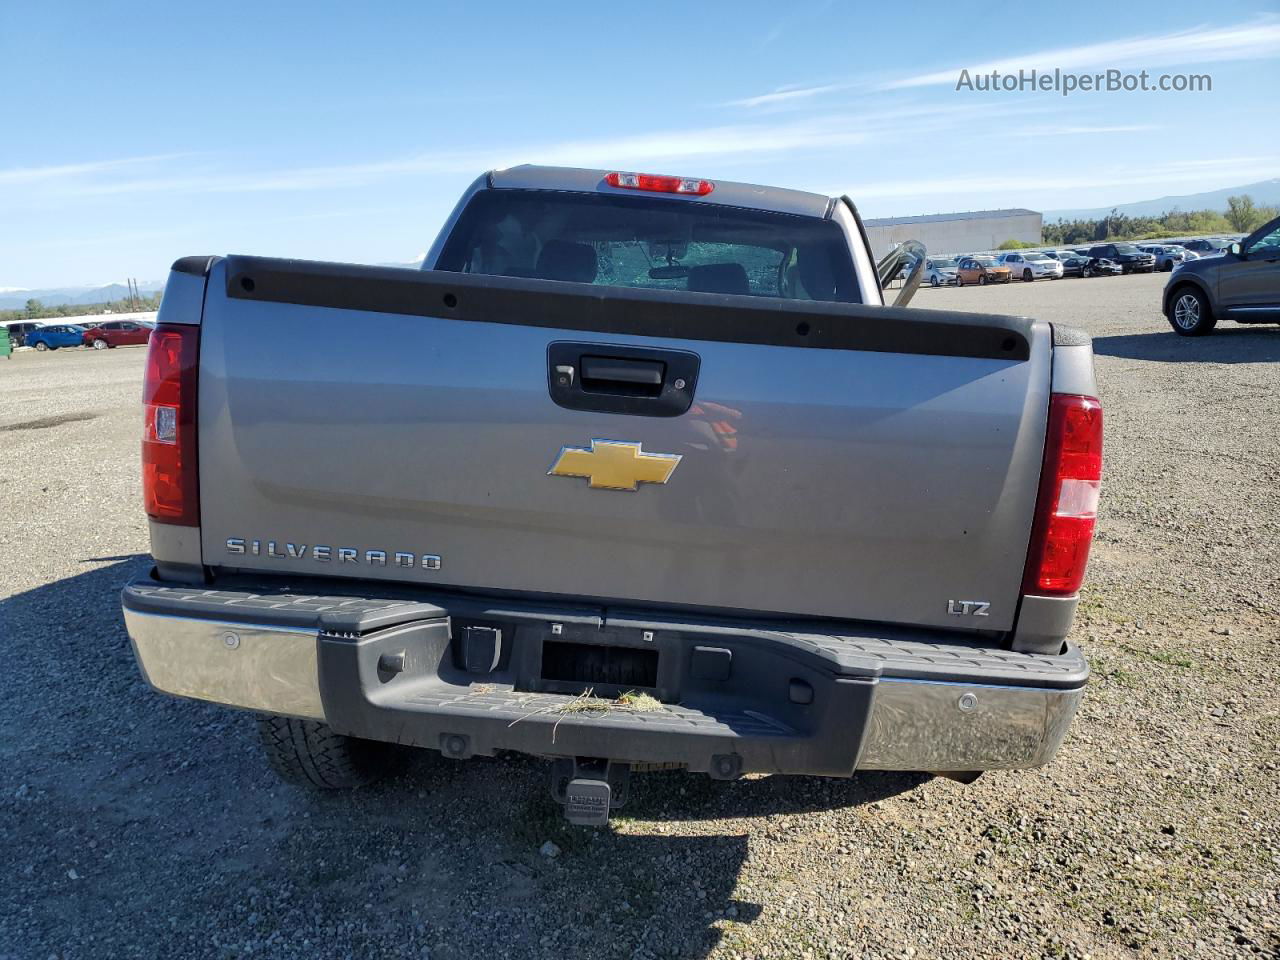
x=939 y=271
x=6 y=347
x=516 y=590
x=1031 y=266
x=1130 y=258
x=1207 y=246
x=56 y=335
x=1242 y=284
x=18 y=330
x=981 y=270
x=1101 y=267
x=117 y=333
x=1167 y=255
x=1072 y=263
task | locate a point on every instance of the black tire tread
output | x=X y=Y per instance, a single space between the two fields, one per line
x=307 y=752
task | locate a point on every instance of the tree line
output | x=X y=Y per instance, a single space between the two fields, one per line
x=1242 y=216
x=35 y=310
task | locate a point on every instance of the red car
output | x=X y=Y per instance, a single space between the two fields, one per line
x=116 y=333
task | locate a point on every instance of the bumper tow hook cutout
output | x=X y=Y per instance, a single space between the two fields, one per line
x=456 y=746
x=726 y=766
x=391 y=662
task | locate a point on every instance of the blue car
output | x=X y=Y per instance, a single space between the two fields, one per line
x=55 y=336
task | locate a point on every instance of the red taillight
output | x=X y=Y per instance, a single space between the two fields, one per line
x=169 y=479
x=1067 y=507
x=657 y=183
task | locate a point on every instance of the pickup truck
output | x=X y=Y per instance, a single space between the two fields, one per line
x=1129 y=257
x=652 y=478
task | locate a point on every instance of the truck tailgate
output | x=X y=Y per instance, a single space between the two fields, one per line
x=838 y=461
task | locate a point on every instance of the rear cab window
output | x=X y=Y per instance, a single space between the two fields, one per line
x=651 y=243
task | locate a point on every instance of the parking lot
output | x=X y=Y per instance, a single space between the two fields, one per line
x=136 y=825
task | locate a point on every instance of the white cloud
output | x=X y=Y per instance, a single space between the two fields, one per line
x=66 y=171
x=630 y=151
x=1066 y=130
x=1259 y=39
x=786 y=95
x=670 y=147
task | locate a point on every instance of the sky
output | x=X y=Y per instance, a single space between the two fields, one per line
x=137 y=133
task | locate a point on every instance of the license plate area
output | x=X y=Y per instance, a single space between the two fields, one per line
x=606 y=662
x=592 y=664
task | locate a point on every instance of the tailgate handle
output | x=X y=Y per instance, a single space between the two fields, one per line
x=616 y=372
x=618 y=378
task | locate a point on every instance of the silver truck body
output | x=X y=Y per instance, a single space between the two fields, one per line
x=857 y=483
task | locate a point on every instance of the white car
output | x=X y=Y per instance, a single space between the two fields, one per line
x=1031 y=266
x=939 y=271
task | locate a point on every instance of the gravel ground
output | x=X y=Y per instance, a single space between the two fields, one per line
x=135 y=825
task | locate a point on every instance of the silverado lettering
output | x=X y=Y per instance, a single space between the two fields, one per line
x=324 y=554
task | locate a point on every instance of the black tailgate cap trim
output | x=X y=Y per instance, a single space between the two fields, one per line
x=664 y=314
x=195 y=266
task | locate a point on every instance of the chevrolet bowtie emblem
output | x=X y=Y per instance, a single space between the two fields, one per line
x=614 y=465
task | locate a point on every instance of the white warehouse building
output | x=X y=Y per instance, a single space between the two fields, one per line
x=951 y=233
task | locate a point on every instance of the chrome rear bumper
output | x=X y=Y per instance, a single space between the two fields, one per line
x=875 y=702
x=235 y=663
x=918 y=725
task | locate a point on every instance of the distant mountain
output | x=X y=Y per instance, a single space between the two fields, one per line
x=1264 y=193
x=58 y=296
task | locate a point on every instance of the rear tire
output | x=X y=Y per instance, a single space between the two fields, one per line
x=982 y=280
x=42 y=346
x=309 y=753
x=1190 y=315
